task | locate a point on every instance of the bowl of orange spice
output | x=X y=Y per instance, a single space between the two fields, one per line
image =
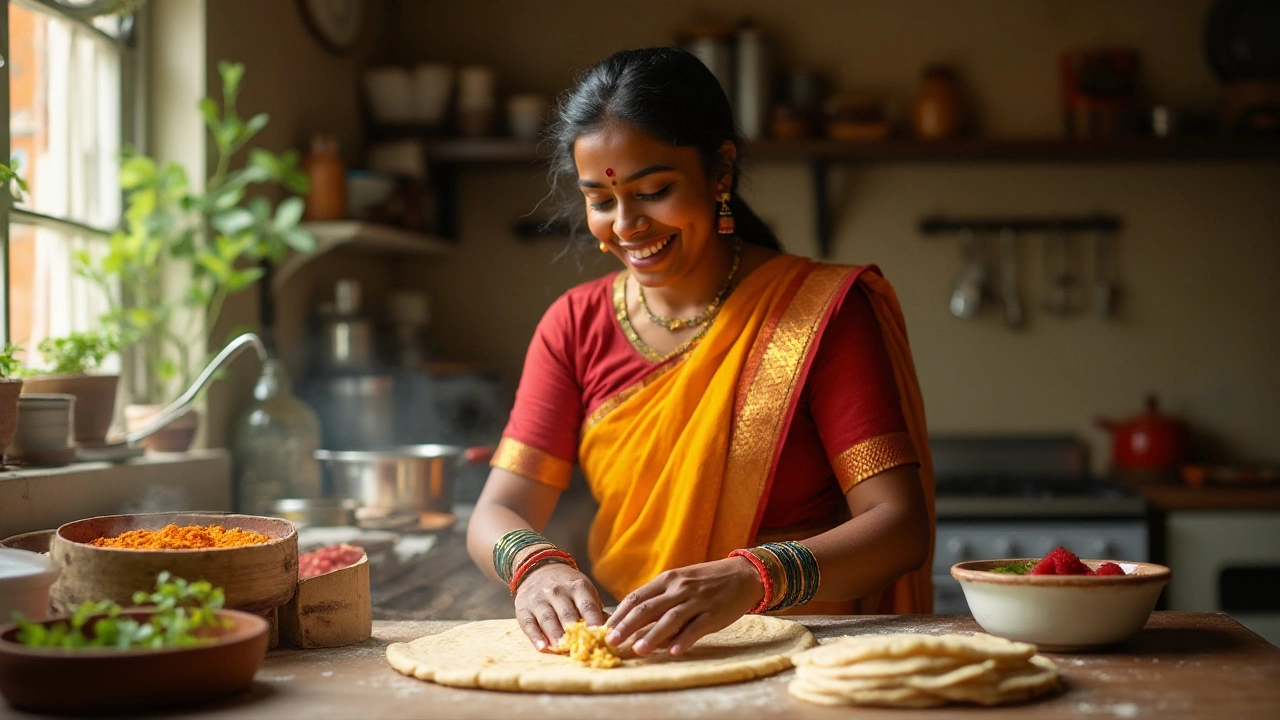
x=254 y=559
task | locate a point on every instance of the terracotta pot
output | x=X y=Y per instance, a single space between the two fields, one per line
x=175 y=437
x=95 y=401
x=9 y=390
x=1149 y=442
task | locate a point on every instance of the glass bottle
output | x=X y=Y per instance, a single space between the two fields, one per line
x=275 y=443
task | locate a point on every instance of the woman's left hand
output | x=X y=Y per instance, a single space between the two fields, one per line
x=680 y=606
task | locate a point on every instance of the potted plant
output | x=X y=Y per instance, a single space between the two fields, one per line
x=71 y=364
x=223 y=237
x=10 y=387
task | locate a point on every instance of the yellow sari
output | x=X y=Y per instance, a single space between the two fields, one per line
x=681 y=462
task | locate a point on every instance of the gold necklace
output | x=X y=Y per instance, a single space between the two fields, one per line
x=704 y=317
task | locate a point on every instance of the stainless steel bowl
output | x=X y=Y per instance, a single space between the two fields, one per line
x=317 y=512
x=397 y=482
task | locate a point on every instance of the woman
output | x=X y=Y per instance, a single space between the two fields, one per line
x=723 y=399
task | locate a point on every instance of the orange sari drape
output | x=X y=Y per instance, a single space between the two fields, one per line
x=681 y=462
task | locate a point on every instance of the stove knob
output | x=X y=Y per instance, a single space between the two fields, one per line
x=958 y=549
x=1005 y=547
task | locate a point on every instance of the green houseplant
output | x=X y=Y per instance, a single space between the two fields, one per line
x=183 y=251
x=71 y=367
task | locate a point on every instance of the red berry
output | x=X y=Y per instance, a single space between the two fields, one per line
x=1045 y=567
x=1067 y=563
x=1109 y=568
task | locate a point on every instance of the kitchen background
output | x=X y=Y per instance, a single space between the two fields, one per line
x=1196 y=321
x=1196 y=309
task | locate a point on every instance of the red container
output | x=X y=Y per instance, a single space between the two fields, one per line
x=1149 y=442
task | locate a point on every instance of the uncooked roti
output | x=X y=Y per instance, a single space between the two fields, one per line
x=496 y=655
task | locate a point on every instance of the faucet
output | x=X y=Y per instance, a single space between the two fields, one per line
x=177 y=407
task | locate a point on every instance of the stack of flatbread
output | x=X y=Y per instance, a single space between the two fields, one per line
x=920 y=671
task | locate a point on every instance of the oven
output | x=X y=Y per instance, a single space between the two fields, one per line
x=1007 y=497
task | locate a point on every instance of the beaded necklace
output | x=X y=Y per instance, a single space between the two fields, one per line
x=704 y=317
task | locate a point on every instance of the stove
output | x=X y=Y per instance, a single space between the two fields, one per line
x=1009 y=497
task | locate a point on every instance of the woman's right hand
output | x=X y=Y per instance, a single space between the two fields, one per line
x=552 y=596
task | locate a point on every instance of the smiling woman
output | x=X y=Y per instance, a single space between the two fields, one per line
x=748 y=421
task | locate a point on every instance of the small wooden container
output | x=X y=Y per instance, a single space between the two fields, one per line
x=330 y=610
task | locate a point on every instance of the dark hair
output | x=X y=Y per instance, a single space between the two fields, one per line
x=666 y=93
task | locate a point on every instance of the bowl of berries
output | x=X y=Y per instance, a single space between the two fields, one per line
x=1060 y=602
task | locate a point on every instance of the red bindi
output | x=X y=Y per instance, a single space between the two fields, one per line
x=608 y=172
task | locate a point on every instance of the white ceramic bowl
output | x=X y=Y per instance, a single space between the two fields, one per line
x=25 y=580
x=1061 y=612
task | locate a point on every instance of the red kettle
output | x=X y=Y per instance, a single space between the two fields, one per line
x=1149 y=442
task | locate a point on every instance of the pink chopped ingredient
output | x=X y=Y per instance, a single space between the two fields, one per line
x=327 y=559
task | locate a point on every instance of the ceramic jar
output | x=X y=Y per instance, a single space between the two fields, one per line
x=44 y=430
x=938 y=112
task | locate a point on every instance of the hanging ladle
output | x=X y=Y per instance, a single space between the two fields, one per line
x=128 y=447
x=966 y=294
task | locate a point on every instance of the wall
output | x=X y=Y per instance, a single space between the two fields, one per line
x=1198 y=320
x=306 y=89
x=1199 y=311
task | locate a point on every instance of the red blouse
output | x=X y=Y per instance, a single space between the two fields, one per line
x=579 y=357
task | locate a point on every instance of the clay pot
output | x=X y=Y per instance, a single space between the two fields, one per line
x=938 y=110
x=9 y=390
x=44 y=430
x=95 y=401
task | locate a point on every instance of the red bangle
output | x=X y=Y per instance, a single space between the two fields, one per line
x=553 y=554
x=765 y=578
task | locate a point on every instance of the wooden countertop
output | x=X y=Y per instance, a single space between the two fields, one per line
x=1182 y=665
x=1211 y=497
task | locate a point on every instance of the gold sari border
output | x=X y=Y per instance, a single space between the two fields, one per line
x=873 y=456
x=528 y=461
x=770 y=383
x=625 y=394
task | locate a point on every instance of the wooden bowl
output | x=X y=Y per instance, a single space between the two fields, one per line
x=330 y=610
x=104 y=680
x=256 y=578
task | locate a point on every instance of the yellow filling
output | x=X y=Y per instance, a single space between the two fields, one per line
x=588 y=646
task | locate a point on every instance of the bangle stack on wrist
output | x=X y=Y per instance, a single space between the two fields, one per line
x=789 y=572
x=509 y=547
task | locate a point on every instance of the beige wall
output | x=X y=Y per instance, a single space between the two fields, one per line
x=306 y=89
x=1200 y=312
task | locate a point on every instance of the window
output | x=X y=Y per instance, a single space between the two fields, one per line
x=66 y=80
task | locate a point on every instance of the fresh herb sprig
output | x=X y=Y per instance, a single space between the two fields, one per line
x=180 y=610
x=1021 y=567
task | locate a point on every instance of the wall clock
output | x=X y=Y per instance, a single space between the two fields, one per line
x=335 y=23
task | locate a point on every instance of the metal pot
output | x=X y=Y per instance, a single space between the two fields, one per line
x=1150 y=442
x=394 y=483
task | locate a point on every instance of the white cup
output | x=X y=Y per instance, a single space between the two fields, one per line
x=526 y=115
x=432 y=84
x=389 y=92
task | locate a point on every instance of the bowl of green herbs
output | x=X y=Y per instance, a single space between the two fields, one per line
x=177 y=647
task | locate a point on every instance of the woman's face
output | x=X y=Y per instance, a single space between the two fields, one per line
x=651 y=204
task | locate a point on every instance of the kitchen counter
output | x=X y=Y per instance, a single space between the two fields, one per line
x=1169 y=498
x=1182 y=665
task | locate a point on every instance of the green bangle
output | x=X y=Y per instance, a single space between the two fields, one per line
x=510 y=545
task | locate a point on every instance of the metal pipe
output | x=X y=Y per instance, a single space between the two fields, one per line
x=177 y=407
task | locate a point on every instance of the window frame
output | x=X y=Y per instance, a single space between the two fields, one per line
x=131 y=98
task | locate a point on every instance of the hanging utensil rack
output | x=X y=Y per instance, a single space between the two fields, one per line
x=941 y=225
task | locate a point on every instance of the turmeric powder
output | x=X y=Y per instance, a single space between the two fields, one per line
x=190 y=537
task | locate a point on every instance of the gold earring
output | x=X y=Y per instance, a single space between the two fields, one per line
x=603 y=248
x=725 y=224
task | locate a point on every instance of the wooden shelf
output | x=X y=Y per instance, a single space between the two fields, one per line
x=1138 y=149
x=445 y=155
x=363 y=235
